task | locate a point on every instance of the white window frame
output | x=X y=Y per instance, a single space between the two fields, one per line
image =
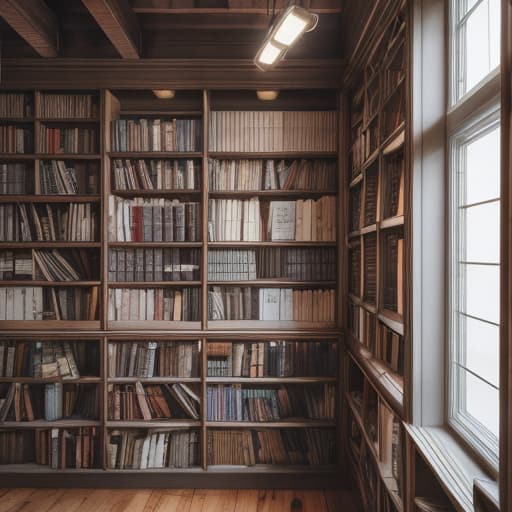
x=471 y=430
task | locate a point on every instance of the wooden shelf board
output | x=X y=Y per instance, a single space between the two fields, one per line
x=368 y=229
x=17 y=120
x=64 y=423
x=9 y=157
x=371 y=158
x=156 y=193
x=392 y=222
x=33 y=468
x=354 y=234
x=163 y=112
x=270 y=193
x=290 y=243
x=269 y=380
x=181 y=245
x=32 y=380
x=393 y=320
x=269 y=468
x=270 y=283
x=303 y=423
x=86 y=120
x=266 y=324
x=68 y=156
x=171 y=423
x=385 y=142
x=40 y=198
x=273 y=155
x=52 y=284
x=152 y=380
x=47 y=325
x=49 y=245
x=156 y=155
x=151 y=284
x=145 y=325
x=395 y=144
x=358 y=179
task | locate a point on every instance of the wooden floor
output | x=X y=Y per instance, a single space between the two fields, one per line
x=188 y=500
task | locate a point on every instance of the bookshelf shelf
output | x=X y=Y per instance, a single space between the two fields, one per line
x=32 y=380
x=275 y=424
x=270 y=324
x=152 y=380
x=53 y=284
x=49 y=245
x=67 y=156
x=69 y=120
x=144 y=325
x=226 y=245
x=40 y=198
x=159 y=155
x=146 y=284
x=269 y=380
x=71 y=423
x=184 y=245
x=275 y=283
x=392 y=222
x=10 y=157
x=273 y=194
x=50 y=325
x=157 y=193
x=153 y=424
x=293 y=155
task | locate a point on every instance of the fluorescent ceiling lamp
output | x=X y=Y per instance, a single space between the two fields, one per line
x=285 y=32
x=164 y=94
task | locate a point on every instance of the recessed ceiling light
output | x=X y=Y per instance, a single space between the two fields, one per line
x=267 y=95
x=164 y=94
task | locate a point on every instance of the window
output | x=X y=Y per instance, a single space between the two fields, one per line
x=475 y=43
x=474 y=230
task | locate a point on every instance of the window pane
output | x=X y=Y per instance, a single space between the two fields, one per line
x=483 y=168
x=478 y=45
x=481 y=354
x=482 y=291
x=482 y=233
x=482 y=401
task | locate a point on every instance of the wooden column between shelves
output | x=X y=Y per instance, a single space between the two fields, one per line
x=204 y=213
x=204 y=373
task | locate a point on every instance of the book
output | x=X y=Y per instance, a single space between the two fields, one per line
x=16 y=178
x=68 y=177
x=67 y=140
x=156 y=135
x=16 y=139
x=148 y=359
x=15 y=105
x=154 y=304
x=57 y=106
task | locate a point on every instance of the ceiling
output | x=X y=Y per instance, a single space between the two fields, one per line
x=168 y=29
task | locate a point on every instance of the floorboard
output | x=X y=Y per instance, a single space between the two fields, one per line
x=175 y=500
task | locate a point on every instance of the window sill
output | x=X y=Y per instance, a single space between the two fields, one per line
x=464 y=481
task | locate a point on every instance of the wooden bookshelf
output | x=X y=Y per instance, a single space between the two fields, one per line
x=378 y=241
x=318 y=437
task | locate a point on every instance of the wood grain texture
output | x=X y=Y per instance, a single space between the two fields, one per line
x=173 y=500
x=34 y=22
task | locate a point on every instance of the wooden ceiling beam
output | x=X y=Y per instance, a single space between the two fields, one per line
x=234 y=7
x=35 y=23
x=117 y=19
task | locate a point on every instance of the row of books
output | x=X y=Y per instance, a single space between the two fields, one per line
x=149 y=449
x=153 y=220
x=393 y=270
x=15 y=105
x=37 y=303
x=67 y=140
x=146 y=359
x=71 y=222
x=60 y=177
x=68 y=448
x=371 y=189
x=154 y=265
x=155 y=174
x=147 y=402
x=156 y=134
x=154 y=304
x=59 y=106
x=68 y=265
x=234 y=220
x=236 y=403
x=16 y=265
x=302 y=220
x=15 y=139
x=272 y=262
x=16 y=446
x=273 y=131
x=271 y=174
x=272 y=359
x=13 y=178
x=24 y=402
x=40 y=360
x=244 y=303
x=313 y=447
x=370 y=268
x=394 y=187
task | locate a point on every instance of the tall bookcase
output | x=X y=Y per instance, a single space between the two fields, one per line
x=215 y=268
x=377 y=184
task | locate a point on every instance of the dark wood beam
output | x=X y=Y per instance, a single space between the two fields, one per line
x=34 y=22
x=234 y=7
x=169 y=74
x=117 y=19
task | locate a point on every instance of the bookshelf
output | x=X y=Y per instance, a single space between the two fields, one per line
x=148 y=165
x=377 y=189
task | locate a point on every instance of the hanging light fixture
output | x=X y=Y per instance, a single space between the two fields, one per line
x=164 y=94
x=284 y=33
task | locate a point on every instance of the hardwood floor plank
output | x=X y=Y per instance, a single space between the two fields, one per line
x=42 y=500
x=71 y=500
x=174 y=503
x=139 y=501
x=247 y=500
x=214 y=500
x=274 y=500
x=3 y=492
x=312 y=501
x=94 y=500
x=153 y=501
